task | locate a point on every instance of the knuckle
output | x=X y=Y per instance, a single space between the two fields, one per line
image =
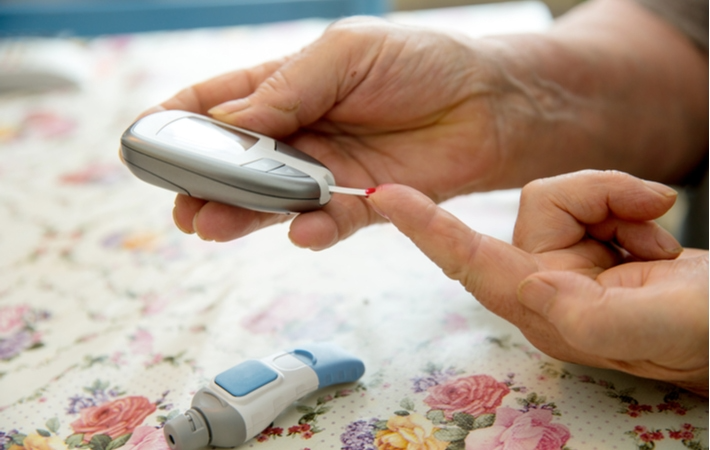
x=353 y=21
x=532 y=190
x=616 y=176
x=352 y=29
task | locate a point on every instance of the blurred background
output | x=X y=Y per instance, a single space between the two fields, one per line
x=557 y=7
x=33 y=59
x=97 y=17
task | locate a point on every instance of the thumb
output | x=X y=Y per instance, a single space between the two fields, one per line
x=306 y=87
x=488 y=268
x=619 y=323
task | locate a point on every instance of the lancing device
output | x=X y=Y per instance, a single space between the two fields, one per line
x=198 y=156
x=242 y=401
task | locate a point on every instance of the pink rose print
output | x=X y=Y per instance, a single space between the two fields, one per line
x=12 y=318
x=635 y=409
x=686 y=433
x=17 y=330
x=519 y=430
x=146 y=438
x=646 y=436
x=474 y=395
x=270 y=432
x=48 y=124
x=95 y=173
x=114 y=418
x=304 y=430
x=141 y=342
x=672 y=406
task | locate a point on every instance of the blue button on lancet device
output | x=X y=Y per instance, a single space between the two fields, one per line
x=243 y=400
x=245 y=378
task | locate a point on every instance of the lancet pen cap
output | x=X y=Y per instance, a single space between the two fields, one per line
x=187 y=431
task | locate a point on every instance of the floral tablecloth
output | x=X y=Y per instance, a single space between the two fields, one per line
x=111 y=319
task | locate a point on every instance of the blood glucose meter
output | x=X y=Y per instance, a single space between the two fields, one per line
x=242 y=401
x=198 y=156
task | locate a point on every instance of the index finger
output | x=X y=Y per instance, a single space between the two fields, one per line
x=488 y=268
x=199 y=98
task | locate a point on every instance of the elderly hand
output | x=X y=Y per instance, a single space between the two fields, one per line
x=382 y=103
x=590 y=279
x=371 y=100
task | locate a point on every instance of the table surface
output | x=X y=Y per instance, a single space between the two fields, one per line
x=111 y=319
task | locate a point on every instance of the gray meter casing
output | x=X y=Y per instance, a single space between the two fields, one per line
x=198 y=156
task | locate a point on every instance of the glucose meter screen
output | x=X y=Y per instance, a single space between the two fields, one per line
x=207 y=136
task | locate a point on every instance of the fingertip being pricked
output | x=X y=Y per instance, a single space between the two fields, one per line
x=387 y=197
x=372 y=200
x=405 y=207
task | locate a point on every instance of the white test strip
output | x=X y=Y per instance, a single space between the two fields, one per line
x=348 y=191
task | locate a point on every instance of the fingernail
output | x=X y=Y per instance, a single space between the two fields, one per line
x=290 y=238
x=197 y=231
x=667 y=242
x=230 y=107
x=536 y=295
x=661 y=189
x=177 y=224
x=377 y=210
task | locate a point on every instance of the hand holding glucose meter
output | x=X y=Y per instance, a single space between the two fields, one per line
x=198 y=156
x=242 y=401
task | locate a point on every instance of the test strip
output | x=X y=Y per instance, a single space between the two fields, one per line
x=348 y=191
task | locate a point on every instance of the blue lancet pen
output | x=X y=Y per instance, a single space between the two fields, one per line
x=240 y=402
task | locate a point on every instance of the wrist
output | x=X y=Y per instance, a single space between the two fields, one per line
x=593 y=89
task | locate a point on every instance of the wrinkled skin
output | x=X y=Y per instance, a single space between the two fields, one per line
x=590 y=278
x=378 y=103
x=610 y=86
x=361 y=124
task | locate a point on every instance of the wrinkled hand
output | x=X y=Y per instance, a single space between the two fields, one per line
x=375 y=102
x=590 y=279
